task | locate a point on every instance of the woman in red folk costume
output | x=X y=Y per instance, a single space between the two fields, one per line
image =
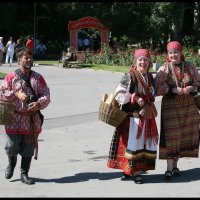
x=176 y=81
x=134 y=144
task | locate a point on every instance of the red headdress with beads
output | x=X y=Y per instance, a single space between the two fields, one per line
x=141 y=52
x=175 y=45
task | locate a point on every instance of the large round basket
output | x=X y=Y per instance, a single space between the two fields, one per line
x=111 y=114
x=6 y=112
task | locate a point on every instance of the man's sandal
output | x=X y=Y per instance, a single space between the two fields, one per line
x=138 y=179
x=176 y=171
x=168 y=175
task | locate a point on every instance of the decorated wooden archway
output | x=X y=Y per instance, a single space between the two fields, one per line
x=86 y=22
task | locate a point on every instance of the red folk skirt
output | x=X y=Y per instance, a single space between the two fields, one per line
x=118 y=147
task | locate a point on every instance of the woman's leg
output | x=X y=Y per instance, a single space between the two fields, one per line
x=1 y=56
x=170 y=164
x=7 y=57
x=175 y=161
x=168 y=173
x=138 y=177
x=175 y=170
x=11 y=57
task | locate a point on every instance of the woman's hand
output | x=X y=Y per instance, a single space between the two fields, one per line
x=188 y=89
x=140 y=102
x=137 y=99
x=177 y=90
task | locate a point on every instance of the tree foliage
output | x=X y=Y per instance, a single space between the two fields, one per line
x=147 y=23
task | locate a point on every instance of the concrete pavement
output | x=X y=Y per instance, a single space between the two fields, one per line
x=74 y=146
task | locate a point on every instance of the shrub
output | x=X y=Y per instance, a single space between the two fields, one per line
x=124 y=57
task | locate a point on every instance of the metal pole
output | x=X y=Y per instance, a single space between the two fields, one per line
x=34 y=31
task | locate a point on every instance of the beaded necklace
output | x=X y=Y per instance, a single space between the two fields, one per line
x=179 y=79
x=183 y=98
x=146 y=86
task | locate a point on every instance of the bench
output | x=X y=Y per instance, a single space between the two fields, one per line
x=81 y=57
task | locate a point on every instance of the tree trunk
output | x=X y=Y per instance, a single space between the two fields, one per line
x=177 y=24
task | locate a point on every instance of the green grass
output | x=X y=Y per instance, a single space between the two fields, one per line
x=2 y=75
x=46 y=62
x=113 y=68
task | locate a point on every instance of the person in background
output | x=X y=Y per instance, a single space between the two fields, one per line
x=69 y=56
x=30 y=43
x=10 y=51
x=134 y=144
x=86 y=42
x=1 y=50
x=41 y=50
x=18 y=46
x=177 y=80
x=28 y=91
x=96 y=42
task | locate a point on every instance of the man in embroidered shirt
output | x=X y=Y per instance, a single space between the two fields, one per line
x=23 y=131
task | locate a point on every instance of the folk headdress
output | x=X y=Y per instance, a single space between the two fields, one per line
x=138 y=53
x=141 y=52
x=175 y=45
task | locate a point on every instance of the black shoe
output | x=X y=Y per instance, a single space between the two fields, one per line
x=138 y=179
x=9 y=172
x=168 y=175
x=25 y=179
x=25 y=166
x=11 y=166
x=125 y=177
x=176 y=171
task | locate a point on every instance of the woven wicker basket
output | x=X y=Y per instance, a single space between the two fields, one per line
x=111 y=114
x=6 y=112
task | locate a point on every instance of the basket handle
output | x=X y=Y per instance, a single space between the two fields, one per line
x=116 y=95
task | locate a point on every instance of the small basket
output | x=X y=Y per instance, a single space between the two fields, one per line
x=6 y=112
x=111 y=114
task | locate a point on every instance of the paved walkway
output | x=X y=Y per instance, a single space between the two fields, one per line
x=74 y=146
